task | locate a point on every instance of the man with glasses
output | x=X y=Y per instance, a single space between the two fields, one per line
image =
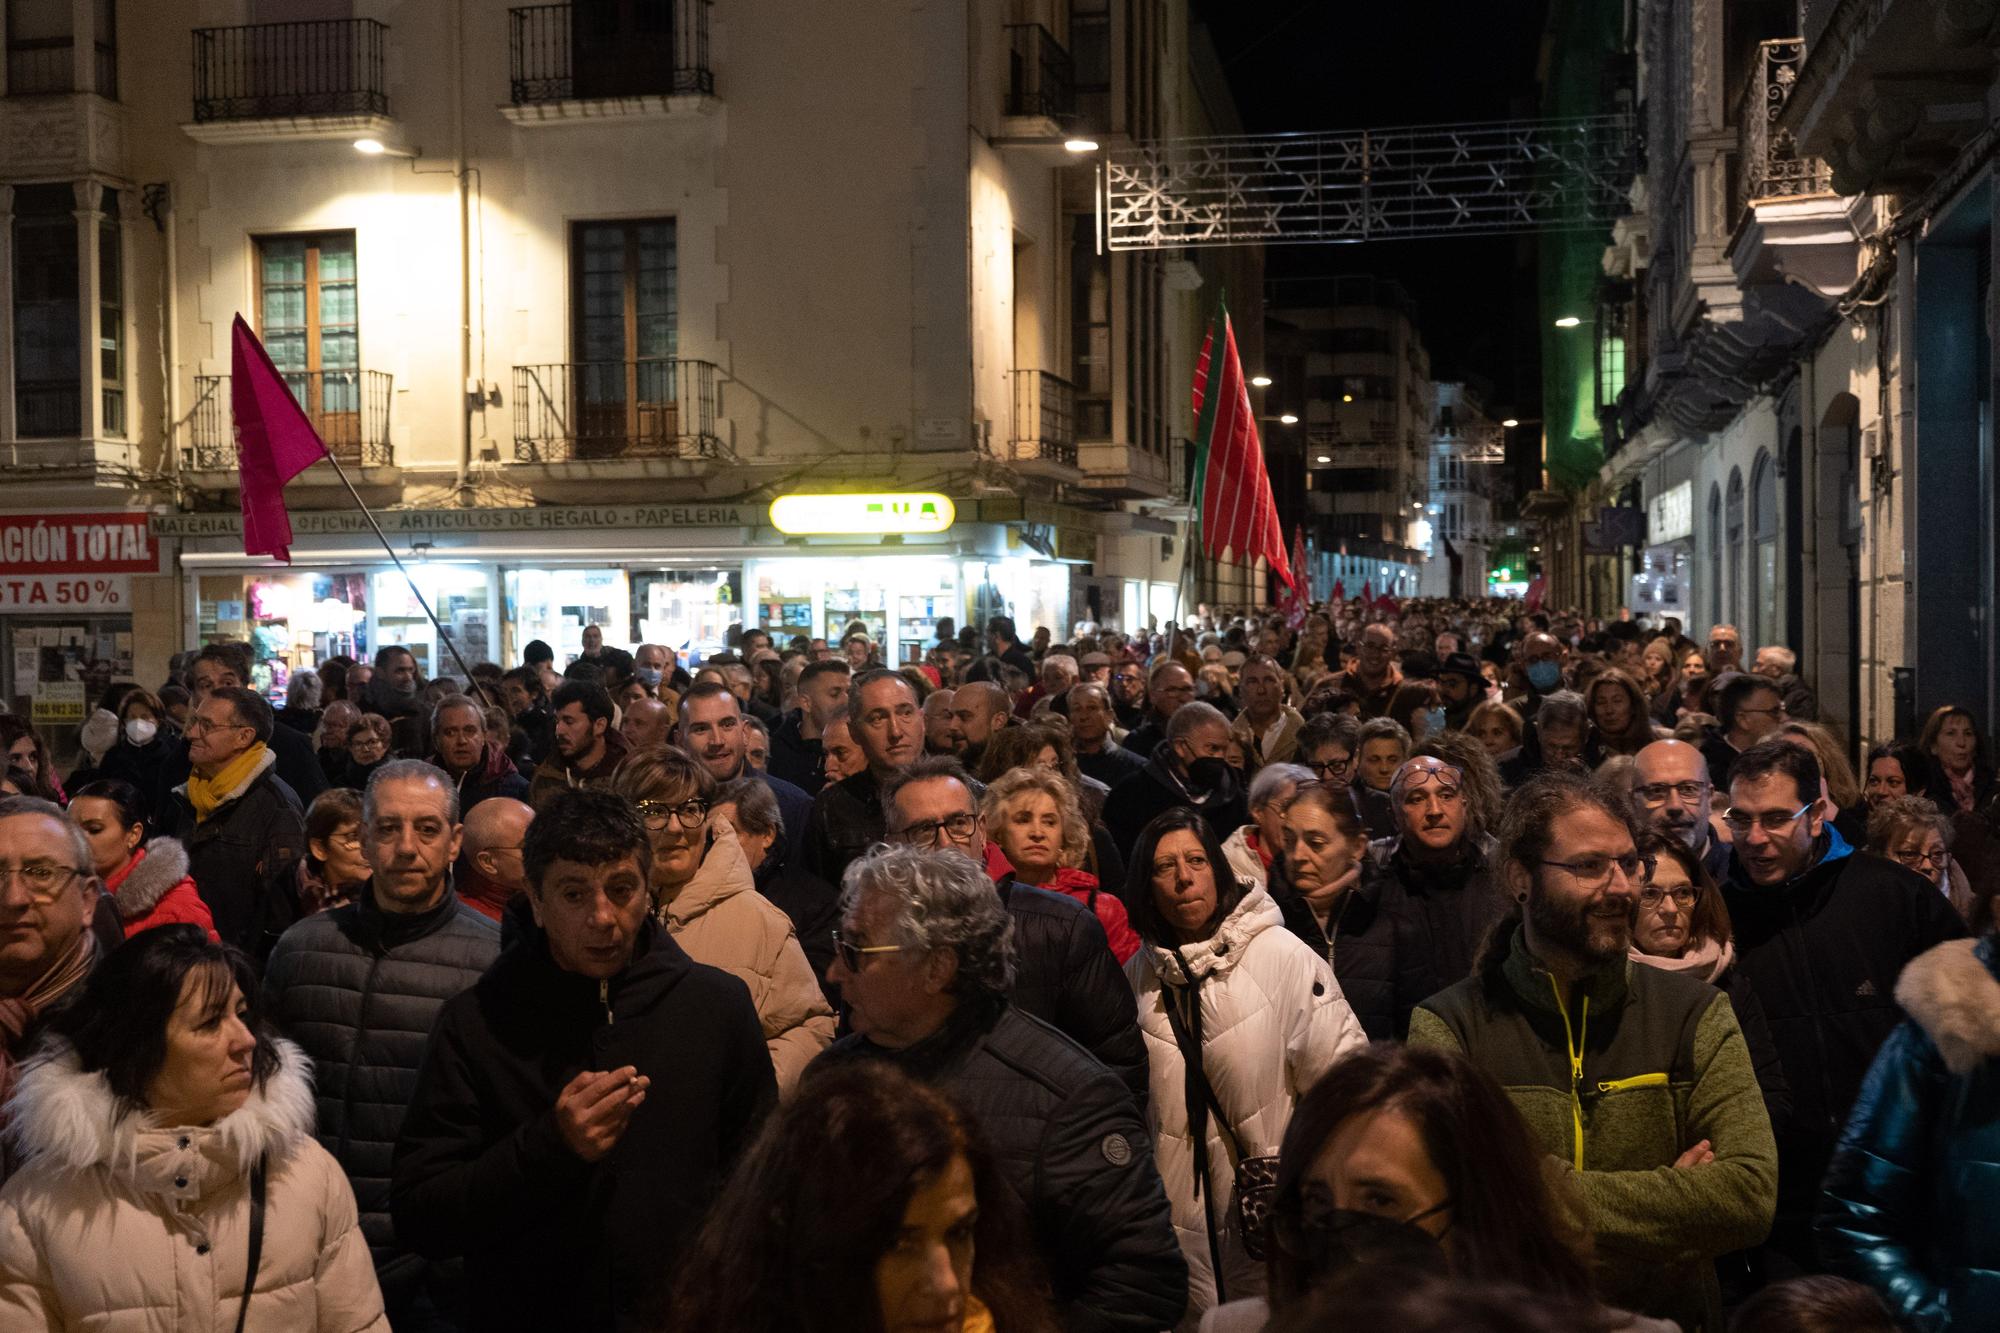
x=1725 y=650
x=1094 y=738
x=922 y=960
x=1747 y=709
x=489 y=873
x=1541 y=673
x=1672 y=796
x=532 y=1147
x=242 y=825
x=1169 y=685
x=1822 y=935
x=1327 y=745
x=226 y=666
x=1636 y=1079
x=47 y=892
x=846 y=818
x=1064 y=972
x=1128 y=694
x=1424 y=902
x=361 y=986
x=1373 y=678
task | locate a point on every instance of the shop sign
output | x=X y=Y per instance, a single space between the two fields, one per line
x=423 y=522
x=1670 y=516
x=76 y=544
x=57 y=703
x=66 y=592
x=848 y=515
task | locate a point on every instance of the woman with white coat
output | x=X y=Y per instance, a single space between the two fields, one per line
x=172 y=1178
x=1220 y=977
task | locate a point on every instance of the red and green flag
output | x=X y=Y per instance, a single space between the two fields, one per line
x=1235 y=511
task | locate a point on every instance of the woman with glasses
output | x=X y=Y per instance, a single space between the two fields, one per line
x=333 y=872
x=1414 y=1159
x=705 y=894
x=1239 y=1017
x=367 y=750
x=148 y=882
x=1915 y=833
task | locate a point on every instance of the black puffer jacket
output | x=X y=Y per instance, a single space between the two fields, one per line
x=1069 y=1141
x=794 y=758
x=1427 y=918
x=1364 y=963
x=1066 y=975
x=243 y=858
x=847 y=818
x=550 y=1241
x=1154 y=789
x=360 y=989
x=810 y=902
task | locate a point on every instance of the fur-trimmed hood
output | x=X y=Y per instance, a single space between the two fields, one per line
x=74 y=1120
x=1954 y=997
x=153 y=870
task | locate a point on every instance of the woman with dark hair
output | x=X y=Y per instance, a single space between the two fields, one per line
x=333 y=872
x=145 y=738
x=1418 y=709
x=1893 y=770
x=1415 y=1158
x=869 y=1204
x=1621 y=720
x=1663 y=681
x=147 y=881
x=1240 y=1017
x=1961 y=773
x=165 y=1121
x=25 y=750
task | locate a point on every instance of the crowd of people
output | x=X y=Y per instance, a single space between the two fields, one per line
x=1436 y=965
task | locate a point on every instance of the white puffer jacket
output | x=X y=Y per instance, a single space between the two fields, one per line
x=120 y=1226
x=1273 y=1021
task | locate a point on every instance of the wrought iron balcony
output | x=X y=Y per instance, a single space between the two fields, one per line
x=1041 y=77
x=1769 y=163
x=660 y=407
x=579 y=52
x=264 y=71
x=1044 y=419
x=349 y=409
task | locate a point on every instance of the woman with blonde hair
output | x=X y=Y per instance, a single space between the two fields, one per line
x=705 y=894
x=1045 y=744
x=1032 y=816
x=1498 y=727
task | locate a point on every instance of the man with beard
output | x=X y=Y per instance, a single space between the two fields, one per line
x=1098 y=753
x=1128 y=694
x=587 y=749
x=393 y=691
x=527 y=701
x=1190 y=767
x=797 y=751
x=938 y=721
x=1747 y=709
x=712 y=731
x=1461 y=686
x=1423 y=904
x=978 y=709
x=1373 y=678
x=1635 y=1078
x=1672 y=796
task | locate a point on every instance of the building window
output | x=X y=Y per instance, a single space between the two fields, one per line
x=106 y=52
x=1764 y=547
x=1715 y=542
x=307 y=310
x=626 y=335
x=1734 y=518
x=111 y=316
x=48 y=334
x=1090 y=329
x=1090 y=50
x=1610 y=369
x=39 y=47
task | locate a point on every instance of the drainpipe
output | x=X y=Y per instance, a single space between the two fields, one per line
x=464 y=251
x=172 y=342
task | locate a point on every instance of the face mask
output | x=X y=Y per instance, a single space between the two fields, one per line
x=139 y=730
x=648 y=676
x=1207 y=774
x=1544 y=675
x=1433 y=721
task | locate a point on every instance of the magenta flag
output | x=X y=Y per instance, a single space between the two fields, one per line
x=275 y=441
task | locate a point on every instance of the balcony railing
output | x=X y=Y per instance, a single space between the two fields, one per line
x=330 y=67
x=656 y=408
x=1041 y=78
x=349 y=409
x=1769 y=163
x=561 y=53
x=1044 y=417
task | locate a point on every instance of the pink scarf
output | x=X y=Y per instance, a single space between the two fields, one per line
x=1709 y=959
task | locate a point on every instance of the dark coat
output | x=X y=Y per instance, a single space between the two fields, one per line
x=1147 y=737
x=1111 y=765
x=243 y=859
x=360 y=989
x=846 y=820
x=298 y=765
x=811 y=903
x=1909 y=1201
x=794 y=810
x=1154 y=789
x=481 y=1169
x=142 y=766
x=796 y=759
x=1075 y=1150
x=1066 y=975
x=1823 y=953
x=494 y=775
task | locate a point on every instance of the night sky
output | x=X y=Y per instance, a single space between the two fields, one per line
x=1314 y=65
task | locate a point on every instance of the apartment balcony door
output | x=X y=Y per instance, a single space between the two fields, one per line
x=625 y=344
x=311 y=327
x=621 y=48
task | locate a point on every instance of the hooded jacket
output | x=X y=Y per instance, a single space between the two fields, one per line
x=721 y=920
x=1411 y=928
x=481 y=1169
x=1639 y=1066
x=1156 y=788
x=494 y=775
x=120 y=1226
x=1272 y=1020
x=555 y=773
x=153 y=889
x=242 y=857
x=1908 y=1202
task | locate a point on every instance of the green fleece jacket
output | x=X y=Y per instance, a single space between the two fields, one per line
x=1643 y=1065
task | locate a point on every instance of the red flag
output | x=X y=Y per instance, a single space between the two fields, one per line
x=1368 y=593
x=1538 y=588
x=1340 y=590
x=1238 y=513
x=1297 y=598
x=275 y=441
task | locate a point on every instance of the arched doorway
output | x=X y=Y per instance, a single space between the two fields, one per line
x=1733 y=524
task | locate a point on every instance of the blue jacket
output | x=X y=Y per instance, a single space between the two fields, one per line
x=1909 y=1202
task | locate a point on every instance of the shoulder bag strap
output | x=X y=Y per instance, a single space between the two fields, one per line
x=256 y=1240
x=1191 y=1056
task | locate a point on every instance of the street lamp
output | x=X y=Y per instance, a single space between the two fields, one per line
x=1511 y=422
x=1079 y=144
x=1288 y=419
x=376 y=148
x=1568 y=322
x=1260 y=381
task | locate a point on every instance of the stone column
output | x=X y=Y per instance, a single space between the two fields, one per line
x=89 y=206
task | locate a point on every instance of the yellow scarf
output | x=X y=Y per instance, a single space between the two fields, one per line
x=206 y=795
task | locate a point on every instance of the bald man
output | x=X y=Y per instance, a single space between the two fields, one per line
x=490 y=872
x=937 y=722
x=978 y=709
x=648 y=724
x=1674 y=796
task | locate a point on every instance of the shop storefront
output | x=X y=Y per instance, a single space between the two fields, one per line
x=1662 y=583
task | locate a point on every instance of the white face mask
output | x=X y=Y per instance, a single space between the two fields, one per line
x=139 y=730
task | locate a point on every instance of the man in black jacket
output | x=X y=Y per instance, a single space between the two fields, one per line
x=1006 y=645
x=1169 y=688
x=531 y=1146
x=226 y=666
x=1822 y=934
x=360 y=987
x=924 y=965
x=1098 y=753
x=796 y=754
x=1064 y=971
x=1189 y=767
x=478 y=768
x=846 y=819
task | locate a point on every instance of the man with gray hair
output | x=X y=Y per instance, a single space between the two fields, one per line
x=1780 y=666
x=360 y=988
x=476 y=764
x=1253 y=848
x=925 y=959
x=1191 y=768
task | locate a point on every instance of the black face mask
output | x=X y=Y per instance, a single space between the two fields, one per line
x=1207 y=774
x=1328 y=1240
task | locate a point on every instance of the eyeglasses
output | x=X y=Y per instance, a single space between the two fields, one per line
x=199 y=725
x=1777 y=711
x=1332 y=768
x=1914 y=859
x=1771 y=821
x=690 y=813
x=1685 y=896
x=43 y=879
x=1655 y=794
x=850 y=953
x=924 y=833
x=1594 y=872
